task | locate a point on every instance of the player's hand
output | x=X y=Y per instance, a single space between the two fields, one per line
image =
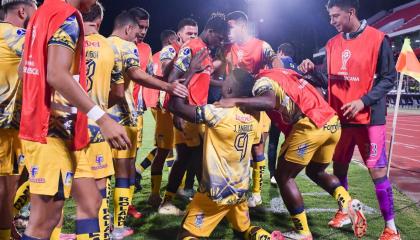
x=196 y=64
x=114 y=133
x=306 y=66
x=177 y=89
x=351 y=109
x=179 y=123
x=225 y=103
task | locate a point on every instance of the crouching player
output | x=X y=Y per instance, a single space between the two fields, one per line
x=229 y=136
x=312 y=131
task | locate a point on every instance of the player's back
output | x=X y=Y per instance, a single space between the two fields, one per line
x=228 y=141
x=100 y=63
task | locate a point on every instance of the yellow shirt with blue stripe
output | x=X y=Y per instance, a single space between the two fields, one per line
x=102 y=69
x=228 y=141
x=11 y=47
x=128 y=56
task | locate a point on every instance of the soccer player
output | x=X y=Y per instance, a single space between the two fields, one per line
x=229 y=135
x=359 y=70
x=187 y=30
x=251 y=54
x=286 y=53
x=53 y=125
x=312 y=131
x=12 y=36
x=123 y=38
x=214 y=33
x=101 y=64
x=154 y=99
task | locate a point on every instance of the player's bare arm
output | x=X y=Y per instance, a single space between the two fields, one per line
x=59 y=77
x=264 y=102
x=146 y=80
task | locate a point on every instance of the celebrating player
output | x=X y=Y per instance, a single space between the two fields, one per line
x=312 y=131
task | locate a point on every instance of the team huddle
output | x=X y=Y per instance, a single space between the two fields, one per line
x=71 y=119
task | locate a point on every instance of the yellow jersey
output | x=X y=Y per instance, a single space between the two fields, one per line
x=228 y=140
x=11 y=47
x=102 y=69
x=127 y=55
x=63 y=114
x=290 y=112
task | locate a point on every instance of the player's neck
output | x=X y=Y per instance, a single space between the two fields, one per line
x=245 y=39
x=74 y=3
x=354 y=26
x=14 y=20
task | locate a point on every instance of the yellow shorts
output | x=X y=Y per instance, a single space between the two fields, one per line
x=306 y=142
x=132 y=134
x=12 y=160
x=164 y=133
x=96 y=162
x=139 y=139
x=47 y=163
x=193 y=134
x=264 y=122
x=179 y=137
x=203 y=215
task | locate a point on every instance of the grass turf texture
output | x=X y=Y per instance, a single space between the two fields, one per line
x=154 y=226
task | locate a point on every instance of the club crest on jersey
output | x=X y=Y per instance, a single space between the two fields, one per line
x=345 y=56
x=69 y=178
x=302 y=149
x=136 y=52
x=186 y=51
x=20 y=32
x=34 y=171
x=199 y=220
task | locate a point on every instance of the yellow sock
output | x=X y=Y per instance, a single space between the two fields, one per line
x=156 y=182
x=5 y=234
x=255 y=233
x=257 y=175
x=342 y=197
x=103 y=216
x=168 y=196
x=121 y=203
x=147 y=161
x=132 y=188
x=182 y=185
x=301 y=223
x=21 y=198
x=87 y=229
x=55 y=235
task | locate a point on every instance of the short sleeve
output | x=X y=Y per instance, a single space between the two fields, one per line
x=268 y=53
x=15 y=40
x=167 y=53
x=67 y=34
x=212 y=115
x=183 y=61
x=258 y=133
x=116 y=73
x=262 y=86
x=130 y=56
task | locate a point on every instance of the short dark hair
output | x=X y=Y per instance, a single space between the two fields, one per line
x=237 y=16
x=140 y=13
x=244 y=82
x=344 y=4
x=96 y=11
x=288 y=49
x=217 y=22
x=165 y=34
x=124 y=18
x=11 y=5
x=1 y=15
x=186 y=22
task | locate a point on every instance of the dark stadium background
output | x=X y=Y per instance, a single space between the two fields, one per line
x=305 y=23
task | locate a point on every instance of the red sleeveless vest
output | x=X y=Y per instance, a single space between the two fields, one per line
x=199 y=85
x=351 y=70
x=248 y=56
x=151 y=96
x=36 y=104
x=303 y=94
x=144 y=54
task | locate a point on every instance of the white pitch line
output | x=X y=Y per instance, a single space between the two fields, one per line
x=277 y=206
x=412 y=159
x=405 y=144
x=408 y=129
x=403 y=135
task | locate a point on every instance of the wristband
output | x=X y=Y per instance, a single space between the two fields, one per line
x=95 y=113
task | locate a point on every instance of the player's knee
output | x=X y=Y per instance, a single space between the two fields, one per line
x=377 y=173
x=312 y=173
x=90 y=208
